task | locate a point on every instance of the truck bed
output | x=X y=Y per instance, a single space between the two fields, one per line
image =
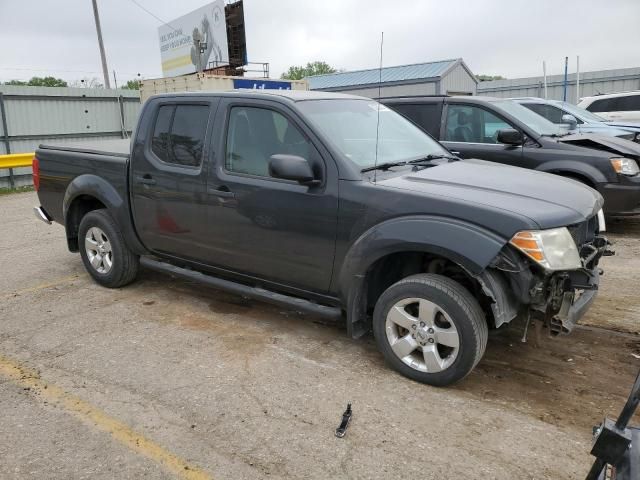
x=60 y=165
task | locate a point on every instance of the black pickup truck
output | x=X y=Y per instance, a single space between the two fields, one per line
x=503 y=131
x=335 y=205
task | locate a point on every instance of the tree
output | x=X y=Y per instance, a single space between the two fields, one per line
x=132 y=85
x=87 y=82
x=312 y=68
x=40 y=82
x=488 y=78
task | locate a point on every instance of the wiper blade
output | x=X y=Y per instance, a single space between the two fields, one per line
x=431 y=157
x=383 y=166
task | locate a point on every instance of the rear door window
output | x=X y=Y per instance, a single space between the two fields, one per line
x=179 y=134
x=427 y=116
x=628 y=103
x=602 y=105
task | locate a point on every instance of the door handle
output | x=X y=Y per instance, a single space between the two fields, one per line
x=221 y=191
x=145 y=179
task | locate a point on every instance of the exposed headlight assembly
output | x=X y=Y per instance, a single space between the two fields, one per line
x=554 y=249
x=625 y=166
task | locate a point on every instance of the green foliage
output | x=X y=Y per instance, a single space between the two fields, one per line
x=132 y=85
x=488 y=78
x=312 y=68
x=40 y=82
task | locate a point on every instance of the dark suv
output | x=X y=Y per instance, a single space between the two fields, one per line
x=503 y=131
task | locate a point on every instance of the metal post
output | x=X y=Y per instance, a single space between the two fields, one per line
x=5 y=131
x=103 y=57
x=566 y=66
x=544 y=73
x=577 y=79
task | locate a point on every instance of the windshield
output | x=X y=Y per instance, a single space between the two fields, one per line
x=351 y=125
x=535 y=122
x=581 y=113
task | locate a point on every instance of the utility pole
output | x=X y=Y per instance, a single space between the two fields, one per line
x=103 y=57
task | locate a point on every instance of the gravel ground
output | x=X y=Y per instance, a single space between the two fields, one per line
x=233 y=388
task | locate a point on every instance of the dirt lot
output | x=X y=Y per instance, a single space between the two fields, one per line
x=165 y=378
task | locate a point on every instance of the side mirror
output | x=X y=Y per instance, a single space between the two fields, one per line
x=291 y=167
x=570 y=120
x=510 y=136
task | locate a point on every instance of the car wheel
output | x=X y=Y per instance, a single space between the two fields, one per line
x=430 y=329
x=104 y=252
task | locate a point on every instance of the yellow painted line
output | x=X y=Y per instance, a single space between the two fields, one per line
x=16 y=160
x=42 y=286
x=119 y=431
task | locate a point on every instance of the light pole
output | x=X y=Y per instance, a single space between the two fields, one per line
x=103 y=57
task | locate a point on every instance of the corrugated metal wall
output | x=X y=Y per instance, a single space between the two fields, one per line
x=36 y=115
x=458 y=81
x=591 y=83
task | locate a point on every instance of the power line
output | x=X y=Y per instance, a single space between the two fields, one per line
x=157 y=18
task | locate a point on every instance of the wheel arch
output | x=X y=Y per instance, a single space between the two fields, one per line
x=404 y=246
x=90 y=192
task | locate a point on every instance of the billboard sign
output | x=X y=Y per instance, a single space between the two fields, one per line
x=179 y=50
x=257 y=84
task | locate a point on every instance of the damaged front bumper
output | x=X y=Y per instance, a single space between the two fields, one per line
x=575 y=304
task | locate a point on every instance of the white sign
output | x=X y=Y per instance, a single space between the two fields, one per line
x=180 y=51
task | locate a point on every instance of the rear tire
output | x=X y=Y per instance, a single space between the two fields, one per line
x=430 y=329
x=104 y=252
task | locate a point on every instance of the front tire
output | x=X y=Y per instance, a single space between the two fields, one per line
x=430 y=329
x=104 y=252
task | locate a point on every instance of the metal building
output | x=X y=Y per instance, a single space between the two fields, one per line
x=591 y=83
x=30 y=116
x=452 y=77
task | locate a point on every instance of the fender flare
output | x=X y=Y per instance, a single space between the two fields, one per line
x=470 y=246
x=582 y=169
x=100 y=189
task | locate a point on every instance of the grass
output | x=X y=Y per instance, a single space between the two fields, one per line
x=9 y=190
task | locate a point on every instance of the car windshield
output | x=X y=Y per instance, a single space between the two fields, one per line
x=352 y=127
x=581 y=113
x=535 y=122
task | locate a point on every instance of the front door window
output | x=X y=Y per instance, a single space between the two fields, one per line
x=470 y=124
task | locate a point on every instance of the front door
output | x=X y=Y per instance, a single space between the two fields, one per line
x=168 y=180
x=472 y=131
x=273 y=229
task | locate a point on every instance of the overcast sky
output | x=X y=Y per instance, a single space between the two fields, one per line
x=498 y=37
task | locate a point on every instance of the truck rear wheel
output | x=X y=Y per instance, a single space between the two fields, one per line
x=104 y=252
x=430 y=329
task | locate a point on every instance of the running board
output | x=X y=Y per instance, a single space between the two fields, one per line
x=294 y=303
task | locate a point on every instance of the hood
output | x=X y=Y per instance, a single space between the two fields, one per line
x=615 y=145
x=601 y=129
x=630 y=126
x=547 y=200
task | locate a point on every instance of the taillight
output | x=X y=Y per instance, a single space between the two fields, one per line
x=36 y=173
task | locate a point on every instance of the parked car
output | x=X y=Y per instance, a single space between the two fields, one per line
x=504 y=131
x=331 y=204
x=578 y=119
x=618 y=107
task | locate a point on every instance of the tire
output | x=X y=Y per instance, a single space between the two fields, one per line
x=104 y=252
x=418 y=339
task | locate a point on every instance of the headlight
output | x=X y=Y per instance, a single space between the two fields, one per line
x=625 y=166
x=554 y=249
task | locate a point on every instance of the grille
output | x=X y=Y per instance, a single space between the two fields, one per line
x=584 y=232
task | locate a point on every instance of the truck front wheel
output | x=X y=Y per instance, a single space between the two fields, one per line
x=430 y=329
x=104 y=252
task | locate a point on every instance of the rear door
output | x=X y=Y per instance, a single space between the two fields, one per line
x=273 y=229
x=472 y=131
x=168 y=177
